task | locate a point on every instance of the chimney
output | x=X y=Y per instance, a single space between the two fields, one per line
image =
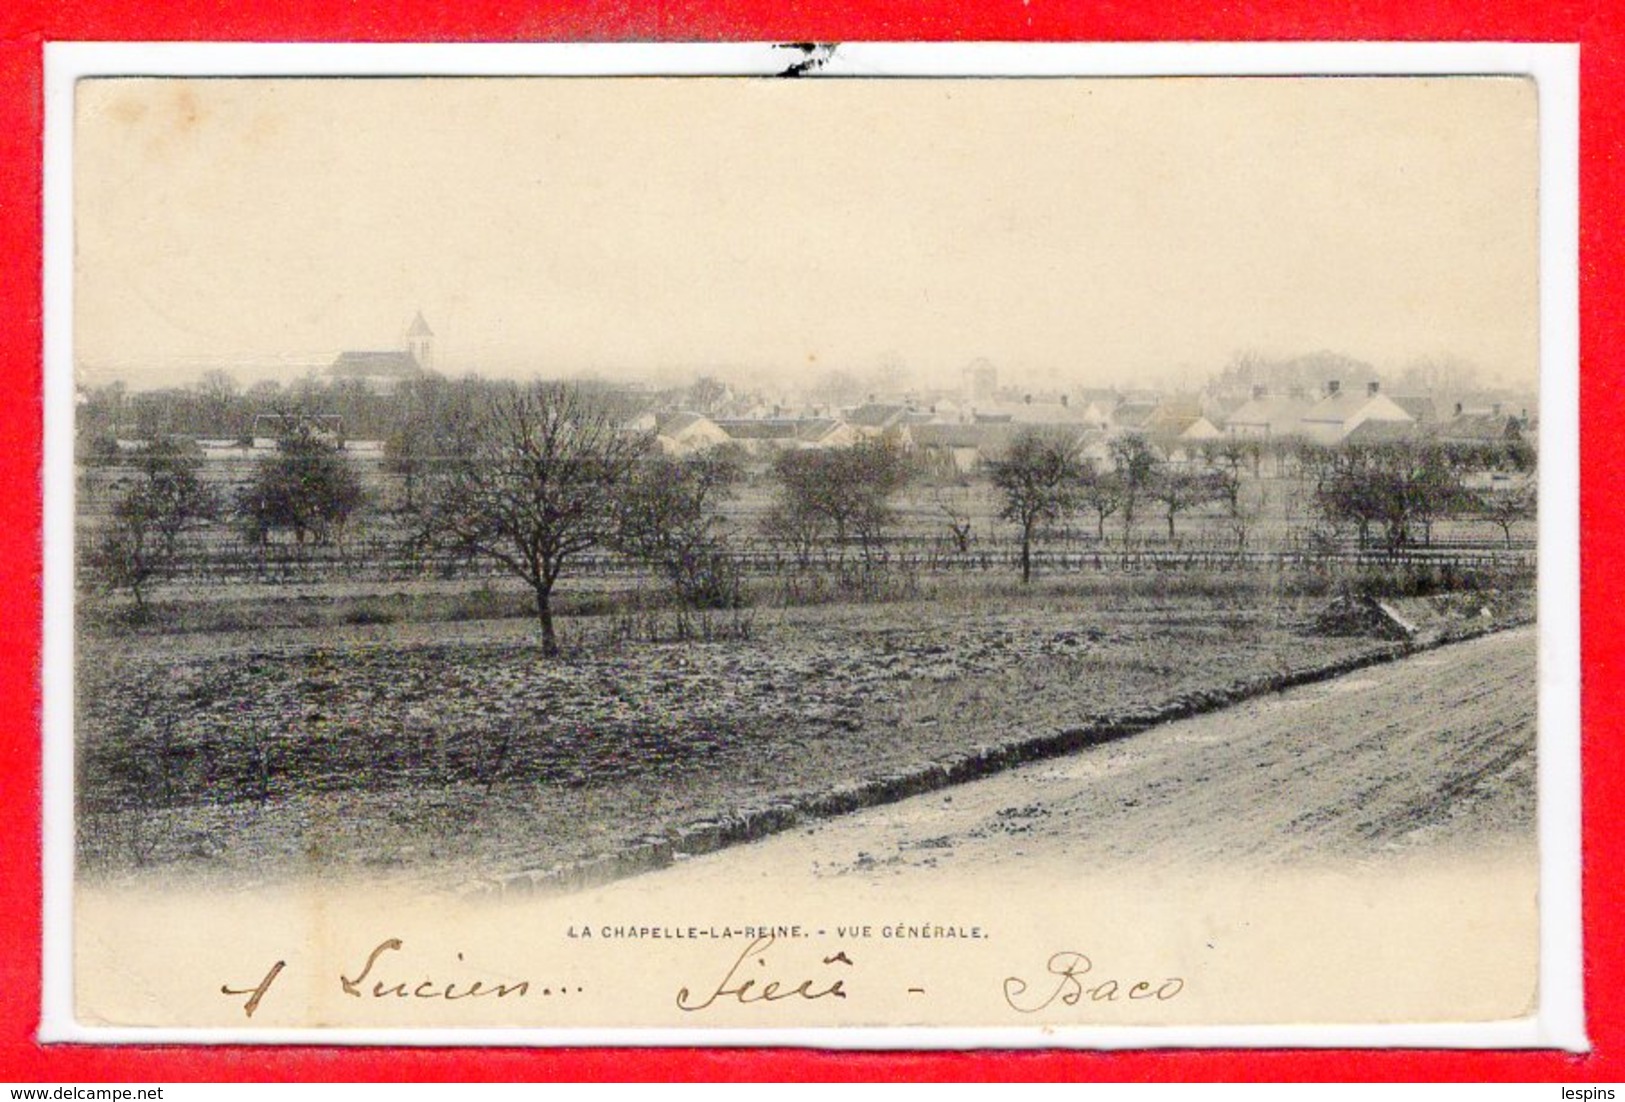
x=1371 y=389
x=1458 y=409
x=1332 y=387
x=1066 y=401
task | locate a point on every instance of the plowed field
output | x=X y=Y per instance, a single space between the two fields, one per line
x=1434 y=753
x=454 y=754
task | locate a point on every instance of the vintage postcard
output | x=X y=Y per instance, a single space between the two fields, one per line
x=964 y=547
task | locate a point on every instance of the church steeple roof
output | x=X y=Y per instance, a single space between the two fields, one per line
x=420 y=328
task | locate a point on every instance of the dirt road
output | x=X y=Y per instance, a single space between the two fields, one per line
x=1434 y=753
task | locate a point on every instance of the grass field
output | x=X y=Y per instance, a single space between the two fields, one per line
x=455 y=750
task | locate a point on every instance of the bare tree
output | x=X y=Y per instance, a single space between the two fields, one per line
x=792 y=525
x=429 y=419
x=1401 y=486
x=308 y=487
x=1136 y=465
x=1507 y=507
x=843 y=492
x=1244 y=503
x=669 y=518
x=706 y=394
x=538 y=484
x=1418 y=485
x=1038 y=479
x=953 y=505
x=876 y=472
x=1177 y=490
x=1232 y=453
x=220 y=396
x=1101 y=493
x=141 y=544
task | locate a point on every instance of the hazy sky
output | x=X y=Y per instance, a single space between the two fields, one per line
x=1072 y=231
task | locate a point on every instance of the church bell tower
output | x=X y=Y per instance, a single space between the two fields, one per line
x=420 y=342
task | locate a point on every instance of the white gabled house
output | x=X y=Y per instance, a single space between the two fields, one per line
x=687 y=433
x=1340 y=412
x=1266 y=417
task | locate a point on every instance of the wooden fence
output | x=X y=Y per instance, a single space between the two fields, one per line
x=210 y=559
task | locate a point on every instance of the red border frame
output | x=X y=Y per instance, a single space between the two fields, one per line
x=26 y=24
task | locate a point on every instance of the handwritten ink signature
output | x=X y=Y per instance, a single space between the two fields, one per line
x=257 y=993
x=734 y=985
x=426 y=988
x=1068 y=968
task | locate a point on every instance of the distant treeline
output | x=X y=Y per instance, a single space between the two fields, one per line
x=218 y=408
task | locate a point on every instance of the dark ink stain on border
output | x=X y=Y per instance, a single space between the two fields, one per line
x=814 y=56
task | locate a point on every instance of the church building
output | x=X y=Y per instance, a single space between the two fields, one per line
x=383 y=371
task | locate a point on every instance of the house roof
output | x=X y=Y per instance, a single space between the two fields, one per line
x=1418 y=406
x=996 y=435
x=1172 y=424
x=876 y=415
x=777 y=428
x=1134 y=415
x=1477 y=426
x=949 y=436
x=393 y=365
x=1383 y=432
x=1337 y=408
x=805 y=430
x=1219 y=406
x=1172 y=432
x=1347 y=406
x=1279 y=414
x=817 y=429
x=677 y=423
x=1175 y=408
x=979 y=435
x=1045 y=413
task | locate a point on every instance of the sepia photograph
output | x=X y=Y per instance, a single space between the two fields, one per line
x=739 y=553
